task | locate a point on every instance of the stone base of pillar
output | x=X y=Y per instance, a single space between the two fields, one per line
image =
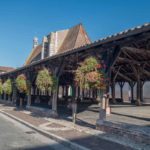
x=99 y=122
x=21 y=103
x=102 y=117
x=138 y=103
x=54 y=114
x=108 y=111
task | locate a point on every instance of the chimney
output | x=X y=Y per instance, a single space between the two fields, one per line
x=35 y=42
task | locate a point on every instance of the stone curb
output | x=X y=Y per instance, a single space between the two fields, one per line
x=58 y=139
x=112 y=128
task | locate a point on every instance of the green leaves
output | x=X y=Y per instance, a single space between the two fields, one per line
x=7 y=87
x=45 y=81
x=1 y=87
x=21 y=83
x=90 y=74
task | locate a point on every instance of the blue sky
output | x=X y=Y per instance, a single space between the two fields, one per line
x=21 y=20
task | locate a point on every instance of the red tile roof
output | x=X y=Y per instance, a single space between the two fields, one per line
x=6 y=69
x=67 y=40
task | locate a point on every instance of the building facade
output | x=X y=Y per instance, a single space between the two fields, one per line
x=58 y=42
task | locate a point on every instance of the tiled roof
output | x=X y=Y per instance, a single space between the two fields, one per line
x=121 y=35
x=67 y=40
x=6 y=69
x=36 y=51
x=76 y=37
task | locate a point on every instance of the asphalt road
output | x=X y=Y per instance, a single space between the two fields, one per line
x=14 y=136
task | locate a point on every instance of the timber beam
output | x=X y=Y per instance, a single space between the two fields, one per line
x=146 y=72
x=124 y=77
x=135 y=50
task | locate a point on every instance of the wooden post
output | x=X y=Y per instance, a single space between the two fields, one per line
x=113 y=92
x=54 y=103
x=14 y=94
x=132 y=91
x=93 y=94
x=63 y=91
x=29 y=94
x=121 y=90
x=78 y=92
x=138 y=101
x=82 y=94
x=96 y=93
x=141 y=91
x=54 y=100
x=5 y=96
x=67 y=87
x=74 y=103
x=21 y=102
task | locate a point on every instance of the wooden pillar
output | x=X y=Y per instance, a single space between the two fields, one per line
x=138 y=101
x=121 y=84
x=54 y=99
x=54 y=103
x=141 y=91
x=63 y=91
x=132 y=91
x=5 y=96
x=93 y=94
x=14 y=94
x=29 y=95
x=96 y=93
x=83 y=94
x=78 y=92
x=113 y=92
x=67 y=87
x=74 y=91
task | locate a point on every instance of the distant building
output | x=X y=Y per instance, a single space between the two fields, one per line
x=58 y=42
x=5 y=69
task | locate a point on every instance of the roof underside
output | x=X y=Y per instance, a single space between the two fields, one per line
x=132 y=63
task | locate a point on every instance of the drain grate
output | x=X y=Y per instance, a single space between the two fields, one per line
x=30 y=132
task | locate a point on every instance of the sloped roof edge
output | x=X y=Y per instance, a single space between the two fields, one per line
x=130 y=32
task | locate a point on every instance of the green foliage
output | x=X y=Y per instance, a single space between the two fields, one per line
x=55 y=83
x=89 y=64
x=45 y=81
x=1 y=87
x=90 y=74
x=21 y=83
x=7 y=87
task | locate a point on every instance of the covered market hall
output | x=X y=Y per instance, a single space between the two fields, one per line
x=127 y=65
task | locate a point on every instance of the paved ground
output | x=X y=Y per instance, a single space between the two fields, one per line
x=80 y=134
x=14 y=136
x=125 y=114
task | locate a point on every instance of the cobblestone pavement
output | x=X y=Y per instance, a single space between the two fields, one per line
x=84 y=136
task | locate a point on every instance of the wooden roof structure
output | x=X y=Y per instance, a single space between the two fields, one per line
x=126 y=54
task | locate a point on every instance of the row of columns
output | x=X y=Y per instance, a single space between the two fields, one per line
x=139 y=90
x=79 y=93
